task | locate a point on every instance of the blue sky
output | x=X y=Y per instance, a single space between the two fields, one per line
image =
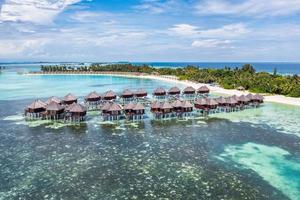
x=150 y=30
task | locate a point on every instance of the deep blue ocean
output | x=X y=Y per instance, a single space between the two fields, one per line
x=282 y=68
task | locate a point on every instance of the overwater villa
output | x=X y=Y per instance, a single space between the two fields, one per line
x=231 y=104
x=111 y=109
x=203 y=91
x=174 y=91
x=182 y=108
x=54 y=111
x=206 y=105
x=140 y=93
x=75 y=112
x=160 y=93
x=109 y=95
x=127 y=95
x=134 y=111
x=92 y=100
x=258 y=98
x=55 y=99
x=69 y=99
x=35 y=110
x=189 y=92
x=243 y=101
x=165 y=110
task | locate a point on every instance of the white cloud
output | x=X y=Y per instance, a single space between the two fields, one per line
x=159 y=6
x=211 y=43
x=253 y=8
x=20 y=46
x=36 y=11
x=185 y=29
x=226 y=31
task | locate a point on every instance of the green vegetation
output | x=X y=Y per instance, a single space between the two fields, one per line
x=246 y=76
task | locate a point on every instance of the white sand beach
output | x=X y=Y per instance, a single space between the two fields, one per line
x=214 y=89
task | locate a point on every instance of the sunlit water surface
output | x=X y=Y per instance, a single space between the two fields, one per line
x=254 y=154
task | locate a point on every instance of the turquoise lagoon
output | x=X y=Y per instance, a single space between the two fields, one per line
x=254 y=154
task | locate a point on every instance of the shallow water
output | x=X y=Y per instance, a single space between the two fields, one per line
x=254 y=154
x=273 y=164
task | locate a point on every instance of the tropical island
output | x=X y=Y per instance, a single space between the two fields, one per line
x=243 y=78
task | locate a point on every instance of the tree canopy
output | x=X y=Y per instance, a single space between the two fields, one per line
x=245 y=76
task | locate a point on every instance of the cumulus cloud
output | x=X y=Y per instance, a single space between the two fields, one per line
x=36 y=11
x=210 y=43
x=185 y=29
x=254 y=8
x=10 y=47
x=226 y=31
x=159 y=6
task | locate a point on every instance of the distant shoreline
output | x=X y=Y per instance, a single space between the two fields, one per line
x=172 y=79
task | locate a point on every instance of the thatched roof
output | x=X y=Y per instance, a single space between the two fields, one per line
x=231 y=100
x=115 y=107
x=139 y=106
x=187 y=104
x=37 y=104
x=141 y=92
x=70 y=97
x=177 y=104
x=129 y=106
x=221 y=100
x=155 y=105
x=76 y=108
x=93 y=95
x=201 y=101
x=53 y=106
x=105 y=106
x=236 y=97
x=159 y=91
x=212 y=102
x=258 y=97
x=166 y=105
x=109 y=94
x=250 y=96
x=174 y=90
x=189 y=89
x=55 y=99
x=127 y=92
x=203 y=88
x=243 y=98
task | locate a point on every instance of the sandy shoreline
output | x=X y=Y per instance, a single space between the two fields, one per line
x=214 y=89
